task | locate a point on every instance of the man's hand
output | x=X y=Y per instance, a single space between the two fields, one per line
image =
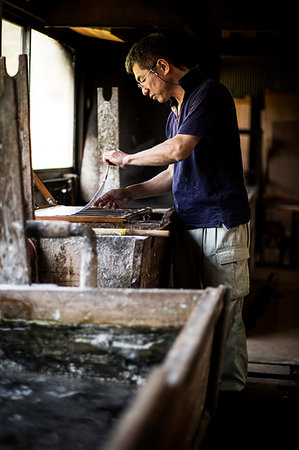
x=115 y=158
x=113 y=199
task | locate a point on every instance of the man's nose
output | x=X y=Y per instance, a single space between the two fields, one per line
x=145 y=91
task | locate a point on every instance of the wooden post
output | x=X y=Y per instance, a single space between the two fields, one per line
x=102 y=135
x=22 y=95
x=108 y=134
x=14 y=261
x=21 y=86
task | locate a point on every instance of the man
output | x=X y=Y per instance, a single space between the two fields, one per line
x=202 y=152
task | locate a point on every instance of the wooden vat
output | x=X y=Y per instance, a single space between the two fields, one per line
x=174 y=406
x=132 y=248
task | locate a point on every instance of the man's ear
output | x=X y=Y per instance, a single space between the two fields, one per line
x=163 y=65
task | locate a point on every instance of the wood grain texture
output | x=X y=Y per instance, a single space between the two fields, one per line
x=71 y=305
x=14 y=261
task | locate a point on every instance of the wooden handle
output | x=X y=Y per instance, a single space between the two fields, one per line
x=43 y=190
x=130 y=232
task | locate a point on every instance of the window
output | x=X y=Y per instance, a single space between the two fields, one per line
x=11 y=46
x=52 y=103
x=51 y=95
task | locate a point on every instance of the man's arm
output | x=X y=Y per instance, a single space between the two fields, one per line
x=158 y=185
x=170 y=151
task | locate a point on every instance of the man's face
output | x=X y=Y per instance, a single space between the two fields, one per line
x=151 y=84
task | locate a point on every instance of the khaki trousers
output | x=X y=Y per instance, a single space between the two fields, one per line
x=209 y=257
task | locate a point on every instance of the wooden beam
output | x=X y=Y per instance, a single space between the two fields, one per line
x=22 y=95
x=119 y=13
x=71 y=305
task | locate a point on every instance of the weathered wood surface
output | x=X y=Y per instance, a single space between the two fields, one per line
x=102 y=135
x=131 y=257
x=22 y=93
x=130 y=232
x=131 y=307
x=173 y=409
x=88 y=255
x=108 y=134
x=170 y=412
x=21 y=86
x=14 y=263
x=123 y=261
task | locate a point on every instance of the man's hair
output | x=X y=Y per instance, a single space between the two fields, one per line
x=147 y=50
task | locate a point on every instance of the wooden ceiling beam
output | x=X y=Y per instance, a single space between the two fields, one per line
x=117 y=14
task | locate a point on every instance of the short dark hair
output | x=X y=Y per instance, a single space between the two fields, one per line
x=147 y=50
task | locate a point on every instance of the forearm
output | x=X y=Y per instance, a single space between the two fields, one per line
x=162 y=154
x=117 y=198
x=168 y=152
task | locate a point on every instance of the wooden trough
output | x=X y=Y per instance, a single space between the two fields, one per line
x=178 y=399
x=133 y=247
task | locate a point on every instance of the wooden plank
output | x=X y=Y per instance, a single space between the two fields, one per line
x=22 y=96
x=22 y=101
x=14 y=261
x=108 y=133
x=130 y=232
x=102 y=135
x=71 y=305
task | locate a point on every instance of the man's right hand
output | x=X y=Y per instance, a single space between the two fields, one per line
x=113 y=199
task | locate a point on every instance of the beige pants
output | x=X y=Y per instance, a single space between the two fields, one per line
x=210 y=257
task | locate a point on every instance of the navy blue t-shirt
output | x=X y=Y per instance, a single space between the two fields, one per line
x=208 y=186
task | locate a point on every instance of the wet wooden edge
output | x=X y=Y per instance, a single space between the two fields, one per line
x=169 y=410
x=72 y=305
